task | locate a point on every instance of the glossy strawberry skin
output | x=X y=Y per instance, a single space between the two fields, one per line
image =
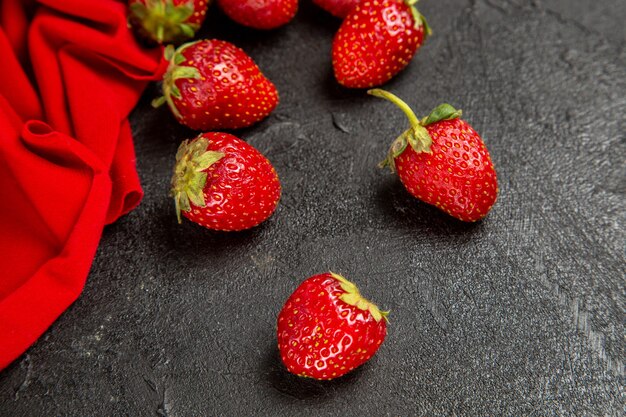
x=260 y=14
x=457 y=176
x=242 y=188
x=195 y=20
x=322 y=337
x=338 y=8
x=231 y=92
x=375 y=42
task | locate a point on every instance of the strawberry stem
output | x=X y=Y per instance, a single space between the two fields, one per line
x=160 y=33
x=158 y=102
x=417 y=135
x=410 y=114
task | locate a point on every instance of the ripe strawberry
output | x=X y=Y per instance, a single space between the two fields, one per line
x=260 y=14
x=326 y=328
x=212 y=84
x=376 y=41
x=167 y=21
x=442 y=161
x=339 y=8
x=222 y=183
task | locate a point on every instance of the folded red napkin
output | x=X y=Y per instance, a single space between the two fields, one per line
x=70 y=74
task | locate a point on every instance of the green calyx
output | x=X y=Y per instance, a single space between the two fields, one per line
x=441 y=112
x=419 y=18
x=164 y=21
x=353 y=297
x=189 y=178
x=416 y=135
x=175 y=71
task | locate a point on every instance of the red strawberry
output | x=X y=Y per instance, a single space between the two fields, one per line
x=260 y=14
x=442 y=161
x=376 y=41
x=339 y=8
x=167 y=21
x=212 y=84
x=222 y=183
x=326 y=328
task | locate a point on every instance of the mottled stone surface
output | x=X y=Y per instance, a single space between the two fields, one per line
x=522 y=314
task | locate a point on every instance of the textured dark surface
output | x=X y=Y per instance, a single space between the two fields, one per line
x=522 y=314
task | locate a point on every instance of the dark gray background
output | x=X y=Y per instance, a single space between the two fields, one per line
x=522 y=314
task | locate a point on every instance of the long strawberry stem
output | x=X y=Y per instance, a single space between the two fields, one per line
x=417 y=135
x=410 y=114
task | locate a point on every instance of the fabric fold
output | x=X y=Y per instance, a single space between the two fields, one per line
x=70 y=77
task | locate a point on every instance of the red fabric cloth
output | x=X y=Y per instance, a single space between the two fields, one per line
x=70 y=74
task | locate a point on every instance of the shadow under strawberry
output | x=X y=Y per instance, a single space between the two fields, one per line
x=393 y=201
x=190 y=245
x=334 y=91
x=296 y=387
x=164 y=131
x=318 y=18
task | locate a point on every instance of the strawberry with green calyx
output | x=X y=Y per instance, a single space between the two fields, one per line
x=376 y=41
x=442 y=161
x=222 y=183
x=327 y=328
x=213 y=85
x=167 y=21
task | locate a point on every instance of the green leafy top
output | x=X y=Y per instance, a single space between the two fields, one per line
x=353 y=297
x=441 y=112
x=419 y=18
x=175 y=71
x=164 y=21
x=189 y=179
x=416 y=135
